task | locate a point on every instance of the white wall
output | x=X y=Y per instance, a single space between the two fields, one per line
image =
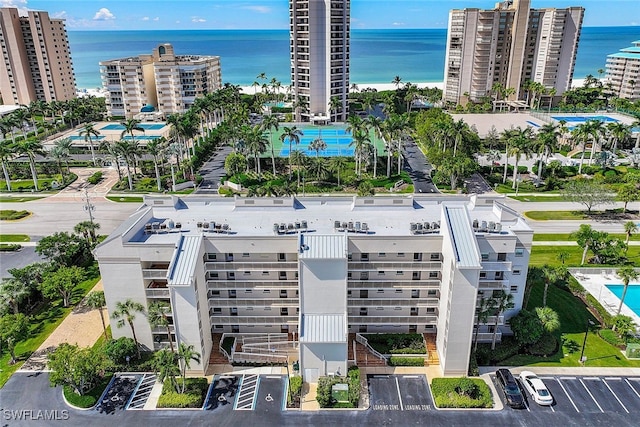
x=325 y=357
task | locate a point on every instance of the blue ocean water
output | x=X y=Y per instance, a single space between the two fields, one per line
x=377 y=56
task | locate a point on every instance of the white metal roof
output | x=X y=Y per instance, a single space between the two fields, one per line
x=465 y=244
x=318 y=328
x=318 y=246
x=185 y=257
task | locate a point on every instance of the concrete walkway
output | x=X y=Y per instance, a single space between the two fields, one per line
x=81 y=327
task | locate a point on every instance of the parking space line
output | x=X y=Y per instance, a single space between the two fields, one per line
x=565 y=392
x=567 y=378
x=612 y=378
x=632 y=388
x=399 y=397
x=616 y=396
x=588 y=391
x=411 y=376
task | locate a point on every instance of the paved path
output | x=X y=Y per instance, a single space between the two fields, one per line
x=213 y=171
x=81 y=327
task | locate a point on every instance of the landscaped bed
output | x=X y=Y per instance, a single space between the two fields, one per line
x=397 y=343
x=328 y=397
x=193 y=397
x=461 y=393
x=91 y=397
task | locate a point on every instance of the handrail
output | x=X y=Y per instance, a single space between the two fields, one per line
x=223 y=351
x=365 y=342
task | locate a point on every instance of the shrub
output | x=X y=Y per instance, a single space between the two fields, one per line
x=295 y=385
x=604 y=314
x=545 y=346
x=323 y=396
x=610 y=336
x=473 y=366
x=10 y=247
x=118 y=350
x=397 y=343
x=575 y=287
x=11 y=215
x=406 y=361
x=95 y=178
x=458 y=392
x=193 y=397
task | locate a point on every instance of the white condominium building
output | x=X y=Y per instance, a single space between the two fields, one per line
x=36 y=62
x=510 y=44
x=623 y=72
x=318 y=271
x=319 y=36
x=161 y=81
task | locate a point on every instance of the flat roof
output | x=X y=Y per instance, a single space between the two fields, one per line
x=466 y=249
x=183 y=264
x=384 y=216
x=313 y=246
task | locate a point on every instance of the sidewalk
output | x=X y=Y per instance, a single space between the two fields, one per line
x=81 y=327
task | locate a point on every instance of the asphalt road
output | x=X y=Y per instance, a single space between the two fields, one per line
x=419 y=169
x=213 y=171
x=25 y=256
x=25 y=395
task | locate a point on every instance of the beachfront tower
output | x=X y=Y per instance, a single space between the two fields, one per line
x=36 y=62
x=509 y=46
x=623 y=72
x=319 y=35
x=161 y=83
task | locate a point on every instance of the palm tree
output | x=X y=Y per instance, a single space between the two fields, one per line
x=114 y=154
x=597 y=130
x=335 y=104
x=125 y=312
x=520 y=145
x=360 y=141
x=626 y=274
x=156 y=149
x=483 y=311
x=318 y=144
x=269 y=124
x=31 y=148
x=630 y=227
x=88 y=131
x=7 y=152
x=61 y=151
x=562 y=256
x=549 y=318
x=581 y=135
x=256 y=144
x=186 y=353
x=158 y=316
x=88 y=231
x=396 y=81
x=129 y=126
x=502 y=302
x=586 y=237
x=620 y=133
x=319 y=167
x=547 y=139
x=12 y=292
x=336 y=164
x=551 y=275
x=300 y=159
x=165 y=365
x=292 y=134
x=129 y=150
x=377 y=124
x=96 y=301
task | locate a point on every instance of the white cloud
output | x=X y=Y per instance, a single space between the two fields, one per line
x=197 y=19
x=258 y=9
x=145 y=18
x=157 y=18
x=104 y=14
x=20 y=4
x=177 y=22
x=398 y=24
x=60 y=15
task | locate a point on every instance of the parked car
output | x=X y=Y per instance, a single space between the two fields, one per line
x=536 y=388
x=510 y=388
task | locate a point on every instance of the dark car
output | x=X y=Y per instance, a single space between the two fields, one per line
x=510 y=388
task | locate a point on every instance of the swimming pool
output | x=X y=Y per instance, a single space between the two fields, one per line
x=81 y=138
x=337 y=141
x=145 y=126
x=582 y=119
x=631 y=299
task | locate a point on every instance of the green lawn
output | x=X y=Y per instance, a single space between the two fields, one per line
x=43 y=322
x=566 y=237
x=18 y=199
x=91 y=397
x=541 y=255
x=557 y=198
x=14 y=238
x=555 y=215
x=573 y=316
x=126 y=199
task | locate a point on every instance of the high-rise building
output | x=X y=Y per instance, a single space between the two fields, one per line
x=36 y=61
x=623 y=72
x=319 y=35
x=162 y=81
x=510 y=45
x=309 y=274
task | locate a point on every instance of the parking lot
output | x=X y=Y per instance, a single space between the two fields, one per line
x=586 y=394
x=399 y=393
x=271 y=394
x=117 y=395
x=222 y=393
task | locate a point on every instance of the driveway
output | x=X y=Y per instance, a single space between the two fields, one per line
x=213 y=171
x=418 y=167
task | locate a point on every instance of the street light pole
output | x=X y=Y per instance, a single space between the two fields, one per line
x=88 y=206
x=584 y=343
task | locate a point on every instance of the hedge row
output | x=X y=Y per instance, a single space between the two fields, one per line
x=406 y=361
x=193 y=396
x=461 y=393
x=604 y=314
x=95 y=178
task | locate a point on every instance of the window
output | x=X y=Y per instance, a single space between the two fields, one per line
x=519 y=252
x=502 y=256
x=400 y=254
x=380 y=272
x=432 y=292
x=211 y=257
x=282 y=257
x=485 y=257
x=431 y=310
x=483 y=274
x=516 y=272
x=381 y=291
x=247 y=273
x=215 y=293
x=245 y=255
x=265 y=273
x=283 y=293
x=414 y=311
x=248 y=291
x=415 y=293
x=363 y=311
x=513 y=289
x=364 y=293
x=364 y=257
x=266 y=291
x=417 y=256
x=435 y=257
x=284 y=311
x=415 y=275
x=217 y=310
x=433 y=275
x=399 y=273
x=382 y=254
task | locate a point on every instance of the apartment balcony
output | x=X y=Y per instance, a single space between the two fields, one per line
x=393 y=284
x=491 y=320
x=392 y=302
x=252 y=320
x=493 y=284
x=163 y=330
x=249 y=266
x=375 y=319
x=159 y=292
x=254 y=302
x=154 y=273
x=496 y=266
x=488 y=336
x=395 y=265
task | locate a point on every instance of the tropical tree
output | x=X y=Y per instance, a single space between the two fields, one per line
x=628 y=193
x=626 y=274
x=12 y=293
x=483 y=311
x=292 y=135
x=318 y=144
x=78 y=368
x=269 y=124
x=158 y=316
x=61 y=152
x=186 y=354
x=131 y=125
x=129 y=150
x=62 y=282
x=549 y=318
x=7 y=152
x=125 y=312
x=563 y=256
x=165 y=365
x=546 y=140
x=156 y=149
x=318 y=167
x=88 y=230
x=335 y=104
x=551 y=275
x=502 y=302
x=88 y=132
x=630 y=227
x=300 y=159
x=31 y=148
x=13 y=329
x=521 y=141
x=96 y=301
x=586 y=238
x=619 y=132
x=256 y=144
x=336 y=164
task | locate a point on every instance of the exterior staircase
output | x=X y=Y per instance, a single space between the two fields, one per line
x=217 y=358
x=363 y=356
x=432 y=352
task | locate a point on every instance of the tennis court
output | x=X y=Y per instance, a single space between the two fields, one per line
x=337 y=139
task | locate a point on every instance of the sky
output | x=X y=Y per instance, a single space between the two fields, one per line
x=274 y=14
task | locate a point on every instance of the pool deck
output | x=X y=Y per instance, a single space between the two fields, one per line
x=112 y=131
x=594 y=282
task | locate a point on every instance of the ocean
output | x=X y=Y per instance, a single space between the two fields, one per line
x=377 y=56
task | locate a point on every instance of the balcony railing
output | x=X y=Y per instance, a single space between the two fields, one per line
x=251 y=320
x=254 y=302
x=392 y=302
x=157 y=293
x=393 y=283
x=152 y=273
x=391 y=320
x=395 y=265
x=248 y=266
x=496 y=265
